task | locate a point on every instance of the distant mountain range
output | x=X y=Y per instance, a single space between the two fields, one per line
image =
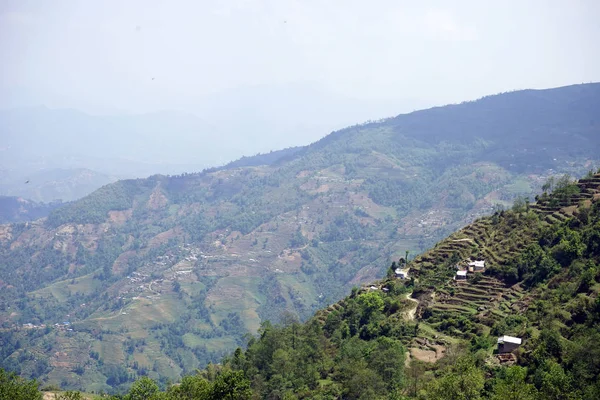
x=241 y=121
x=68 y=138
x=17 y=209
x=160 y=275
x=56 y=184
x=66 y=154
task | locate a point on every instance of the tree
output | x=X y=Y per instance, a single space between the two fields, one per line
x=13 y=387
x=520 y=204
x=143 y=389
x=512 y=386
x=463 y=382
x=231 y=385
x=555 y=383
x=369 y=310
x=371 y=302
x=392 y=270
x=191 y=388
x=69 y=395
x=387 y=359
x=176 y=286
x=549 y=185
x=357 y=379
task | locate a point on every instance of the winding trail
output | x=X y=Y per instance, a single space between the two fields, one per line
x=411 y=313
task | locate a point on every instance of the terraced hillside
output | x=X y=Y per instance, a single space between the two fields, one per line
x=431 y=336
x=494 y=295
x=159 y=276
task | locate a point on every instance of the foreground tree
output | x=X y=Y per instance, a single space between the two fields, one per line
x=190 y=388
x=231 y=385
x=512 y=386
x=464 y=381
x=13 y=387
x=69 y=395
x=143 y=389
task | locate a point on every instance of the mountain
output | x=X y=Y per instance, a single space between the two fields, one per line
x=17 y=209
x=38 y=138
x=522 y=324
x=540 y=285
x=56 y=184
x=289 y=114
x=159 y=276
x=261 y=159
x=250 y=118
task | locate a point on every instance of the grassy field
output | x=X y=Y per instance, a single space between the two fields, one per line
x=61 y=290
x=239 y=294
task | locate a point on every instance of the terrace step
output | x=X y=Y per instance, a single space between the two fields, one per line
x=450 y=307
x=471 y=298
x=464 y=302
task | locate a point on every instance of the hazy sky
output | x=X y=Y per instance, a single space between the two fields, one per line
x=105 y=54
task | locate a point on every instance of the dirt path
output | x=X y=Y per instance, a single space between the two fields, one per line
x=411 y=313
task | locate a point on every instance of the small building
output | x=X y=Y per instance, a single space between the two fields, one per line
x=460 y=276
x=401 y=274
x=477 y=266
x=507 y=344
x=374 y=288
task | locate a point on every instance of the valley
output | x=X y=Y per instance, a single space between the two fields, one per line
x=160 y=276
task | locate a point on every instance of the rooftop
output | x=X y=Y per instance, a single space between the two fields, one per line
x=509 y=339
x=479 y=263
x=461 y=273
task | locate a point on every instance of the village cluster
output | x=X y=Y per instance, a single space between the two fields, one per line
x=471 y=267
x=506 y=344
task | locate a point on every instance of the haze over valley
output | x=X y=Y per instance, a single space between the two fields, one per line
x=299 y=200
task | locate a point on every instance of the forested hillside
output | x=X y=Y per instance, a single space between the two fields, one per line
x=156 y=277
x=17 y=209
x=541 y=284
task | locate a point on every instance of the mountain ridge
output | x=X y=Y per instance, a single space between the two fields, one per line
x=17 y=209
x=375 y=344
x=196 y=260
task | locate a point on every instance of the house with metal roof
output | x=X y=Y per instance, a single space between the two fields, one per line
x=507 y=344
x=401 y=274
x=477 y=266
x=460 y=276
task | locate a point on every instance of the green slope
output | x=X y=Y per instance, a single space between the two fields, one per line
x=543 y=287
x=541 y=283
x=159 y=276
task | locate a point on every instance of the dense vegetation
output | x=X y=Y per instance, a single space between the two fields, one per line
x=358 y=352
x=157 y=277
x=357 y=348
x=15 y=209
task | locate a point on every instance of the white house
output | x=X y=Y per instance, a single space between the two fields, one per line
x=461 y=275
x=477 y=265
x=506 y=344
x=401 y=274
